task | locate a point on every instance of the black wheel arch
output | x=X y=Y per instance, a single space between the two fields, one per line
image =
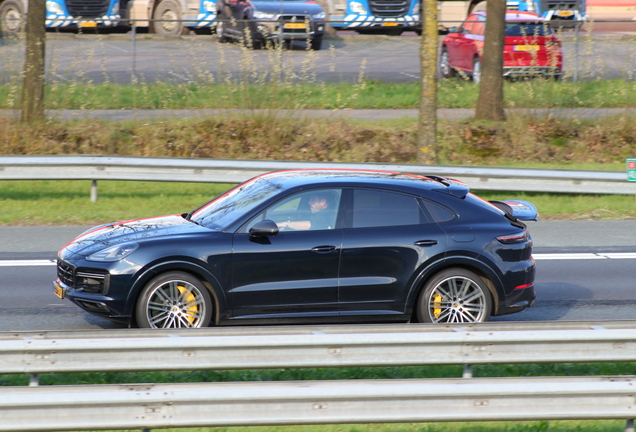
x=473 y=264
x=221 y=306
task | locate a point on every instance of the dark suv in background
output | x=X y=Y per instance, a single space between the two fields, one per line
x=257 y=22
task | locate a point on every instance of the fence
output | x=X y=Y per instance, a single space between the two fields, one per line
x=49 y=408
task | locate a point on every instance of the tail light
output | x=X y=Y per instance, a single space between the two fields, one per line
x=521 y=237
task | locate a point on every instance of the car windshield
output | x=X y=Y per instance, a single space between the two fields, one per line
x=527 y=29
x=227 y=208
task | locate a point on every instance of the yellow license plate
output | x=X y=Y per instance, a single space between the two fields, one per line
x=58 y=290
x=295 y=25
x=88 y=24
x=526 y=47
x=565 y=13
x=389 y=24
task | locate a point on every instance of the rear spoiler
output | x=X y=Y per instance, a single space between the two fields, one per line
x=518 y=209
x=454 y=187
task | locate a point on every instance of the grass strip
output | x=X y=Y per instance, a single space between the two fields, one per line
x=368 y=94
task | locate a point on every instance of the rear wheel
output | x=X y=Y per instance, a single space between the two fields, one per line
x=454 y=296
x=174 y=300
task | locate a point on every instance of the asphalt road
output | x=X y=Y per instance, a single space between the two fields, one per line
x=344 y=58
x=585 y=271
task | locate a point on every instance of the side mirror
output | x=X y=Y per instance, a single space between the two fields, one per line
x=264 y=228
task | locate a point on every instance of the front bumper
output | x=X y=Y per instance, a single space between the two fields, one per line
x=302 y=30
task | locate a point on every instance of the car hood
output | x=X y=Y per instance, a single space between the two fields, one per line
x=138 y=230
x=288 y=7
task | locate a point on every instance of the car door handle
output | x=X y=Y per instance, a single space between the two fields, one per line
x=426 y=243
x=323 y=249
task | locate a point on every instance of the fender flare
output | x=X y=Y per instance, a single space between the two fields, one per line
x=222 y=309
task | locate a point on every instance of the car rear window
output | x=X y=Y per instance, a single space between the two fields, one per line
x=528 y=29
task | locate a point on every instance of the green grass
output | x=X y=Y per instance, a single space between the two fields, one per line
x=455 y=93
x=50 y=202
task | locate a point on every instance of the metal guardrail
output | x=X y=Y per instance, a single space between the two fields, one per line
x=126 y=406
x=236 y=171
x=352 y=346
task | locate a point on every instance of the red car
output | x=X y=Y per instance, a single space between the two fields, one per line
x=530 y=47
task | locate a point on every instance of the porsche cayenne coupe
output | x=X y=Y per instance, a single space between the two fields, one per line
x=310 y=246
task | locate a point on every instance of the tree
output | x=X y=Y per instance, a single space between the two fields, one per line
x=427 y=125
x=490 y=105
x=33 y=85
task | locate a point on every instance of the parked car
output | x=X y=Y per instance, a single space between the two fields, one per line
x=530 y=47
x=257 y=22
x=310 y=246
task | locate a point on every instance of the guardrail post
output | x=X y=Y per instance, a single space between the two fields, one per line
x=93 y=190
x=629 y=425
x=34 y=380
x=468 y=371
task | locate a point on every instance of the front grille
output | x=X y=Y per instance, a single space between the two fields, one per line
x=87 y=8
x=66 y=273
x=561 y=5
x=389 y=8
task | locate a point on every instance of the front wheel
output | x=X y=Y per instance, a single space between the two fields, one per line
x=174 y=300
x=316 y=43
x=454 y=296
x=11 y=18
x=444 y=65
x=167 y=18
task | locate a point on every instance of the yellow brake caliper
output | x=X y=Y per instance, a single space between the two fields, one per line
x=437 y=305
x=187 y=298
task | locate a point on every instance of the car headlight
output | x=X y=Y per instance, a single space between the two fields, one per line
x=319 y=16
x=416 y=7
x=357 y=7
x=114 y=253
x=264 y=15
x=54 y=8
x=115 y=9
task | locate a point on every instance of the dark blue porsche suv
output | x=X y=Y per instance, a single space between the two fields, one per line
x=310 y=246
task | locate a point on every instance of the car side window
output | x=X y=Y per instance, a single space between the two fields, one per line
x=376 y=208
x=438 y=213
x=312 y=210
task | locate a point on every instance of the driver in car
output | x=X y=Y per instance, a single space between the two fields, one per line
x=319 y=218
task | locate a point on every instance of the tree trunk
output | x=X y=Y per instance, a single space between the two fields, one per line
x=427 y=127
x=490 y=105
x=33 y=85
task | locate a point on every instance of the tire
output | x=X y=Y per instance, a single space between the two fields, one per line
x=446 y=71
x=454 y=296
x=476 y=70
x=395 y=32
x=174 y=300
x=168 y=10
x=11 y=18
x=316 y=43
